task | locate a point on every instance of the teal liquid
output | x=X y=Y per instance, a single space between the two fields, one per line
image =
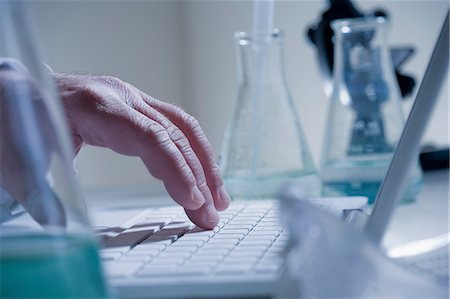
x=259 y=187
x=50 y=266
x=366 y=188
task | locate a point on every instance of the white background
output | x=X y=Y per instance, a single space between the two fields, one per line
x=183 y=52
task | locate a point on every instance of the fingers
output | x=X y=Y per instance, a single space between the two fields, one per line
x=129 y=132
x=206 y=216
x=201 y=146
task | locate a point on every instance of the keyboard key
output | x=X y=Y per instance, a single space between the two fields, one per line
x=110 y=255
x=179 y=251
x=128 y=238
x=226 y=236
x=225 y=242
x=134 y=259
x=161 y=237
x=189 y=237
x=141 y=254
x=233 y=231
x=150 y=247
x=197 y=231
x=267 y=229
x=164 y=262
x=244 y=222
x=192 y=271
x=255 y=242
x=205 y=264
x=183 y=225
x=246 y=254
x=238 y=227
x=177 y=231
x=188 y=243
x=208 y=252
x=154 y=242
x=114 y=269
x=151 y=220
x=248 y=219
x=248 y=261
x=258 y=237
x=157 y=271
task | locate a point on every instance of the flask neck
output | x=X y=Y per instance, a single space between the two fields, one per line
x=260 y=58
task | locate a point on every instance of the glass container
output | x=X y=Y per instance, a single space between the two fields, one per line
x=264 y=145
x=47 y=249
x=365 y=119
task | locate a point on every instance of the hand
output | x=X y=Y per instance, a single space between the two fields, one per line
x=104 y=111
x=27 y=144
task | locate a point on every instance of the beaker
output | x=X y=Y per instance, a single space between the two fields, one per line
x=365 y=118
x=264 y=145
x=47 y=249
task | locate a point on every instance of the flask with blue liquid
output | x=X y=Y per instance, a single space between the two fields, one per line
x=365 y=119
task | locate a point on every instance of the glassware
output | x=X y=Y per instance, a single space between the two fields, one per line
x=47 y=249
x=328 y=258
x=365 y=119
x=264 y=145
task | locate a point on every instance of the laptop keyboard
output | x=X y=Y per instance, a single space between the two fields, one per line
x=160 y=242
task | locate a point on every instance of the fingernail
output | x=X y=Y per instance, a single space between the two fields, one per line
x=211 y=214
x=197 y=196
x=224 y=196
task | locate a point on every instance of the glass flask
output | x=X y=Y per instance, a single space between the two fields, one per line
x=365 y=119
x=264 y=146
x=47 y=249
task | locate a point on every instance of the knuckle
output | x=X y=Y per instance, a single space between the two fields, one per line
x=192 y=123
x=178 y=137
x=165 y=123
x=188 y=120
x=160 y=134
x=111 y=80
x=201 y=184
x=122 y=89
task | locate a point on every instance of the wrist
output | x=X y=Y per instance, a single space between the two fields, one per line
x=74 y=100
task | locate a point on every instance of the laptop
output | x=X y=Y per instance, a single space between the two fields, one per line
x=159 y=253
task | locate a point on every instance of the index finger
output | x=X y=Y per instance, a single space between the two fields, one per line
x=199 y=142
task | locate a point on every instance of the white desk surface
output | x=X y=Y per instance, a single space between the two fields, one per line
x=425 y=218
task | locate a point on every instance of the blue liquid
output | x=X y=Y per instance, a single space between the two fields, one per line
x=366 y=188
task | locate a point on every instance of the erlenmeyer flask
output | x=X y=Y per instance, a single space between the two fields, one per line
x=365 y=118
x=264 y=145
x=47 y=249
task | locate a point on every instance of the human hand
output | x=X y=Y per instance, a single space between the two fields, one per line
x=105 y=111
x=27 y=145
